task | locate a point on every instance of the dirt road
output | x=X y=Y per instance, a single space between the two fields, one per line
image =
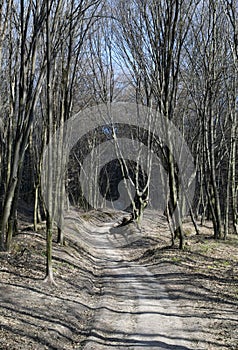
x=133 y=308
x=118 y=288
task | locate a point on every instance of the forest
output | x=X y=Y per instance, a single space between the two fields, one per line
x=177 y=60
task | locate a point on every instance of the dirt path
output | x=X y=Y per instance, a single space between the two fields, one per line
x=133 y=309
x=119 y=288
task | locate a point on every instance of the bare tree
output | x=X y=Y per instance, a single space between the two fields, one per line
x=71 y=21
x=231 y=11
x=210 y=79
x=24 y=85
x=150 y=39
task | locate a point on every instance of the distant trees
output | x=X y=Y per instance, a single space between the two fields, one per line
x=207 y=61
x=180 y=63
x=150 y=38
x=211 y=79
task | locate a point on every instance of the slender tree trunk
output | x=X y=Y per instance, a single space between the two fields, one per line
x=216 y=200
x=227 y=199
x=234 y=186
x=49 y=219
x=6 y=213
x=35 y=216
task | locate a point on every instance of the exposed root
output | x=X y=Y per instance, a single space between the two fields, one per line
x=49 y=280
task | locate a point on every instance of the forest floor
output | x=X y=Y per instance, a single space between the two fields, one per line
x=119 y=288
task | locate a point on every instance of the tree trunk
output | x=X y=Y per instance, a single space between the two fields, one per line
x=49 y=267
x=50 y=210
x=6 y=213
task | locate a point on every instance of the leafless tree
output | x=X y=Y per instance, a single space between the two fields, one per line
x=150 y=39
x=210 y=79
x=25 y=81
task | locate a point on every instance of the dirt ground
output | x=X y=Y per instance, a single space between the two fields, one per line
x=119 y=288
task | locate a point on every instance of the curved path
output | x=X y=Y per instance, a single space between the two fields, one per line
x=133 y=310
